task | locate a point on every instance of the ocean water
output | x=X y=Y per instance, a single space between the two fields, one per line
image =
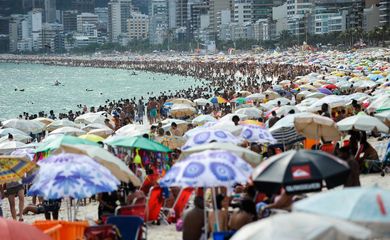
x=40 y=94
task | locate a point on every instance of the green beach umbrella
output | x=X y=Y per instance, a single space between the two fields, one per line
x=138 y=142
x=56 y=142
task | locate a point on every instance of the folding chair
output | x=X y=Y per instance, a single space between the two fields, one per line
x=180 y=203
x=107 y=231
x=130 y=227
x=154 y=205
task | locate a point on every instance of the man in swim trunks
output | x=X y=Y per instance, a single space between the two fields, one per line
x=153 y=106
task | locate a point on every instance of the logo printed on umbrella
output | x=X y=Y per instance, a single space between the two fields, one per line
x=301 y=172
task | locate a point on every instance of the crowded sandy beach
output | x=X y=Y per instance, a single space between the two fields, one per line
x=295 y=138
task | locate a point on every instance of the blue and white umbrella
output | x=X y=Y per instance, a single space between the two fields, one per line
x=367 y=206
x=72 y=175
x=254 y=133
x=201 y=119
x=207 y=136
x=212 y=168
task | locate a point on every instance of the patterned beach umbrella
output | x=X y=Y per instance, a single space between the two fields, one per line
x=207 y=135
x=218 y=100
x=72 y=175
x=13 y=168
x=212 y=168
x=254 y=133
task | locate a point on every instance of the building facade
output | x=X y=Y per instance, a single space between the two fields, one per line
x=138 y=26
x=86 y=18
x=50 y=11
x=243 y=11
x=158 y=21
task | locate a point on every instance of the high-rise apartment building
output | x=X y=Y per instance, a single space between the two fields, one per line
x=118 y=13
x=181 y=13
x=243 y=11
x=262 y=9
x=16 y=30
x=86 y=18
x=216 y=6
x=138 y=26
x=384 y=12
x=158 y=21
x=50 y=11
x=83 y=5
x=69 y=20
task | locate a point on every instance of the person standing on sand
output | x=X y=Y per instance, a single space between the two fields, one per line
x=140 y=111
x=193 y=220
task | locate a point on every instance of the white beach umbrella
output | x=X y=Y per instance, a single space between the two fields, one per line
x=17 y=137
x=298 y=226
x=201 y=119
x=68 y=131
x=89 y=118
x=316 y=95
x=284 y=110
x=132 y=130
x=332 y=100
x=256 y=97
x=362 y=122
x=26 y=126
x=61 y=123
x=104 y=132
x=384 y=117
x=13 y=131
x=251 y=112
x=228 y=117
x=44 y=120
x=181 y=101
x=202 y=102
x=93 y=126
x=7 y=147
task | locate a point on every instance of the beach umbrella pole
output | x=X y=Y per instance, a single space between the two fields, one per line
x=205 y=213
x=216 y=223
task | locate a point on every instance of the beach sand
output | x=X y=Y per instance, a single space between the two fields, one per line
x=166 y=232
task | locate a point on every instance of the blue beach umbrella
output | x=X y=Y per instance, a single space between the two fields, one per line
x=207 y=135
x=211 y=168
x=367 y=206
x=375 y=77
x=72 y=175
x=255 y=133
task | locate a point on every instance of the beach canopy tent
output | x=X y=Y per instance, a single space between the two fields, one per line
x=137 y=142
x=298 y=226
x=300 y=171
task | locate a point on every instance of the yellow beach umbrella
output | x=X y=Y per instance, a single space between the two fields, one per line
x=92 y=137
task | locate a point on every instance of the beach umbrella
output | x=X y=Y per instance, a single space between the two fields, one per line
x=94 y=126
x=44 y=120
x=92 y=137
x=13 y=131
x=28 y=152
x=228 y=117
x=116 y=166
x=26 y=126
x=284 y=110
x=330 y=86
x=202 y=102
x=271 y=94
x=318 y=95
x=359 y=97
x=300 y=171
x=332 y=100
x=380 y=104
x=218 y=100
x=252 y=122
x=132 y=130
x=208 y=135
x=308 y=87
x=201 y=119
x=384 y=117
x=137 y=142
x=251 y=112
x=13 y=168
x=181 y=101
x=284 y=130
x=247 y=155
x=375 y=77
x=15 y=230
x=244 y=93
x=56 y=141
x=182 y=110
x=210 y=168
x=314 y=126
x=72 y=176
x=104 y=133
x=227 y=126
x=68 y=131
x=257 y=134
x=367 y=206
x=303 y=94
x=325 y=91
x=256 y=97
x=61 y=123
x=274 y=103
x=240 y=100
x=88 y=118
x=362 y=122
x=173 y=142
x=298 y=226
x=7 y=147
x=17 y=137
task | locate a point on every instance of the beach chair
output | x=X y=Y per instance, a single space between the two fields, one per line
x=154 y=204
x=107 y=231
x=132 y=210
x=130 y=227
x=180 y=203
x=223 y=235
